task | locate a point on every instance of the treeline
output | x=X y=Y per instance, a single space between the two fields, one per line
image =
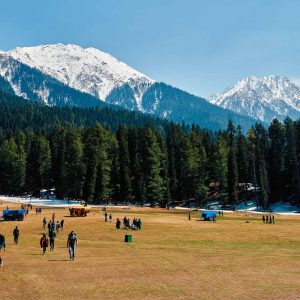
x=17 y=114
x=143 y=164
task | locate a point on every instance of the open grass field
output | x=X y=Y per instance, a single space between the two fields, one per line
x=170 y=258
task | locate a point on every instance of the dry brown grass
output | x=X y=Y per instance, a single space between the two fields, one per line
x=170 y=258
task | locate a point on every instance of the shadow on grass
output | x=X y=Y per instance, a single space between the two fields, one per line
x=58 y=260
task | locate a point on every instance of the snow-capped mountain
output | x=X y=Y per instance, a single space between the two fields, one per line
x=59 y=75
x=262 y=98
x=87 y=70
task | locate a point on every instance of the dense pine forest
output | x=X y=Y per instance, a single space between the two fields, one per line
x=103 y=155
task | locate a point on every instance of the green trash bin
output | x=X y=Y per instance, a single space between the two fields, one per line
x=128 y=238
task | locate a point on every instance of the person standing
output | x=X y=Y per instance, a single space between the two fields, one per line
x=52 y=236
x=44 y=243
x=62 y=222
x=2 y=242
x=264 y=219
x=57 y=227
x=118 y=223
x=189 y=216
x=16 y=234
x=44 y=223
x=72 y=244
x=110 y=218
x=105 y=216
x=49 y=226
x=267 y=218
x=139 y=224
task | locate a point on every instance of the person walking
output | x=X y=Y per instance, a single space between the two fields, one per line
x=44 y=223
x=49 y=226
x=57 y=227
x=118 y=223
x=110 y=218
x=2 y=242
x=52 y=236
x=105 y=216
x=16 y=234
x=44 y=243
x=62 y=222
x=72 y=244
x=267 y=219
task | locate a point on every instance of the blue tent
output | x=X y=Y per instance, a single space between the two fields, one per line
x=13 y=214
x=208 y=215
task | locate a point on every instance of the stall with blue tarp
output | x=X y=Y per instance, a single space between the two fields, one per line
x=13 y=214
x=208 y=215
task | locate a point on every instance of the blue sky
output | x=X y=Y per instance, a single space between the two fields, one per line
x=200 y=46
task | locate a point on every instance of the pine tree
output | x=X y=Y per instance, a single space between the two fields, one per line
x=39 y=164
x=232 y=165
x=155 y=189
x=73 y=164
x=276 y=158
x=242 y=158
x=125 y=182
x=198 y=161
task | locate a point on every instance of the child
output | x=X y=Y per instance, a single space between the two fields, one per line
x=44 y=243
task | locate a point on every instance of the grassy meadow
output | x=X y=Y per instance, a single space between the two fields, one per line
x=170 y=258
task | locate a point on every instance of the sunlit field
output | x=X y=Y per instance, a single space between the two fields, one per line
x=170 y=258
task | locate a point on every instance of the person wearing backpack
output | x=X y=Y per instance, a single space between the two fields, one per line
x=44 y=243
x=72 y=244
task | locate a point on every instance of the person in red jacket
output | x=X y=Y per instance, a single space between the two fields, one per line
x=44 y=243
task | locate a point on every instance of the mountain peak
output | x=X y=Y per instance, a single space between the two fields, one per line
x=86 y=69
x=263 y=98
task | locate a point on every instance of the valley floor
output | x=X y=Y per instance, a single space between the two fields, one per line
x=237 y=257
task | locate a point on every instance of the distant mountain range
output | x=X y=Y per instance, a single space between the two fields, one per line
x=262 y=98
x=60 y=75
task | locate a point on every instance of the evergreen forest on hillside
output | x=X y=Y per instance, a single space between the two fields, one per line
x=103 y=155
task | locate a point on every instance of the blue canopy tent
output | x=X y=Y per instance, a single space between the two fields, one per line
x=13 y=214
x=208 y=215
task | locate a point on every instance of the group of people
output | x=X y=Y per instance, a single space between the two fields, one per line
x=71 y=243
x=106 y=216
x=53 y=230
x=268 y=219
x=135 y=225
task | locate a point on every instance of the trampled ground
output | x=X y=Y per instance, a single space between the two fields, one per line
x=170 y=258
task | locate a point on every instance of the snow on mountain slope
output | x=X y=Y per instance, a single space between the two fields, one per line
x=87 y=70
x=262 y=98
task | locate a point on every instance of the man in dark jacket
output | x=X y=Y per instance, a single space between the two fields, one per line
x=52 y=236
x=16 y=234
x=2 y=242
x=72 y=244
